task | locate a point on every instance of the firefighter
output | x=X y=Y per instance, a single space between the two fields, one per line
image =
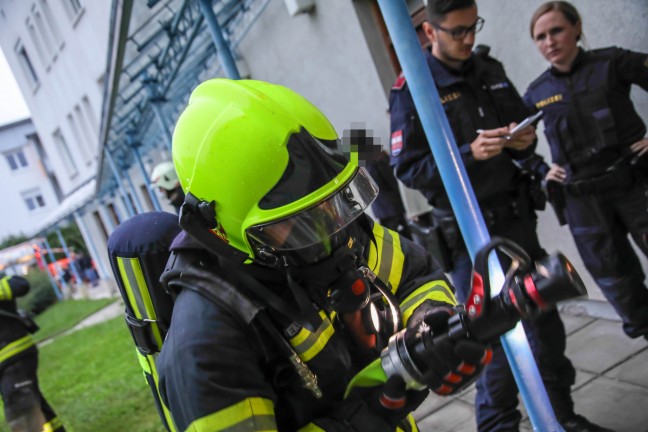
x=25 y=408
x=598 y=148
x=164 y=177
x=285 y=289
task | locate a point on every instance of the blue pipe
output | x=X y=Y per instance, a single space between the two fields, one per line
x=50 y=254
x=117 y=175
x=147 y=181
x=222 y=49
x=71 y=264
x=55 y=287
x=461 y=195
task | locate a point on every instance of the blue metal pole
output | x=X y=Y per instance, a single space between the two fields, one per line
x=50 y=254
x=222 y=48
x=72 y=265
x=145 y=174
x=115 y=171
x=461 y=195
x=55 y=287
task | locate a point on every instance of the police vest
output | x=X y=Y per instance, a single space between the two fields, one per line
x=583 y=114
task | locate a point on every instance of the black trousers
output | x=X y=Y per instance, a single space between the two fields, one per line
x=25 y=407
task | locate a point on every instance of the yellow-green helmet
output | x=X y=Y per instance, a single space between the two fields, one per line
x=272 y=163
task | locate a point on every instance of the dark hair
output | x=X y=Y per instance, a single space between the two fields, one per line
x=567 y=9
x=437 y=9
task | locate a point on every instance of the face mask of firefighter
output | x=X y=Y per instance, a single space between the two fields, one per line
x=342 y=283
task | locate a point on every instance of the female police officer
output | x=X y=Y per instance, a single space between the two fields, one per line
x=598 y=149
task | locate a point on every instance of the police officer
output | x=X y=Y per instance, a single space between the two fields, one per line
x=482 y=106
x=25 y=408
x=388 y=206
x=164 y=177
x=598 y=148
x=306 y=288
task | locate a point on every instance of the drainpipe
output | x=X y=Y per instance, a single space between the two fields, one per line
x=464 y=203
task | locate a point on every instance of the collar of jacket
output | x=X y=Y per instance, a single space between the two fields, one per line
x=444 y=75
x=578 y=61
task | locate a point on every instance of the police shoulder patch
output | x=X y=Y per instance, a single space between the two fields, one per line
x=400 y=82
x=396 y=142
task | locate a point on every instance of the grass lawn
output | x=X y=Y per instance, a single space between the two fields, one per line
x=65 y=315
x=93 y=380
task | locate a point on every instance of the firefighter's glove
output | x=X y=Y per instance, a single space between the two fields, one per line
x=448 y=366
x=390 y=402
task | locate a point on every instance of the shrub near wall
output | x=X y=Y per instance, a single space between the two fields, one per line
x=40 y=296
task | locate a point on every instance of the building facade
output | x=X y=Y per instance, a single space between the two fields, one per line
x=111 y=123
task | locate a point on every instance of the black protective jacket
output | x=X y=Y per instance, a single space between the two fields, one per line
x=15 y=340
x=221 y=366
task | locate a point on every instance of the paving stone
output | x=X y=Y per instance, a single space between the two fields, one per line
x=633 y=371
x=432 y=404
x=600 y=346
x=574 y=323
x=457 y=416
x=614 y=404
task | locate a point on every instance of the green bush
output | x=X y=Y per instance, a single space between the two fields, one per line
x=40 y=296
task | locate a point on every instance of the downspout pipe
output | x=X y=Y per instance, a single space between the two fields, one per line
x=222 y=48
x=463 y=201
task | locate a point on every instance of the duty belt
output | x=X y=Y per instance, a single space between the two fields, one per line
x=618 y=177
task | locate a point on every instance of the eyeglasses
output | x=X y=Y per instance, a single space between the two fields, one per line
x=460 y=32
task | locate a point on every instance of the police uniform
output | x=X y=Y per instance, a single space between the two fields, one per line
x=388 y=206
x=218 y=371
x=590 y=123
x=480 y=96
x=24 y=405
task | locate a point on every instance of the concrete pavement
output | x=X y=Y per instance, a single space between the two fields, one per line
x=611 y=383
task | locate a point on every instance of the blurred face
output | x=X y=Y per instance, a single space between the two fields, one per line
x=557 y=39
x=446 y=46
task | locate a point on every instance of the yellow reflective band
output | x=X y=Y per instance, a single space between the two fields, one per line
x=251 y=414
x=16 y=347
x=138 y=293
x=435 y=290
x=408 y=424
x=53 y=425
x=386 y=258
x=310 y=427
x=5 y=289
x=307 y=344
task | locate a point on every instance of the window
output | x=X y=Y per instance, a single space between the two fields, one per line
x=80 y=138
x=74 y=9
x=89 y=112
x=64 y=153
x=102 y=227
x=16 y=159
x=33 y=199
x=26 y=65
x=51 y=23
x=36 y=39
x=147 y=197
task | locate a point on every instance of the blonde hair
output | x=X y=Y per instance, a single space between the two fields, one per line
x=568 y=10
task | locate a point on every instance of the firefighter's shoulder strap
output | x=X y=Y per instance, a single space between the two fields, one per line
x=139 y=251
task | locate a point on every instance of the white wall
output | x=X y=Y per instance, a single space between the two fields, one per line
x=68 y=71
x=16 y=217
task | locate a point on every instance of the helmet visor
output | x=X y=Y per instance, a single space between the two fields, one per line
x=319 y=223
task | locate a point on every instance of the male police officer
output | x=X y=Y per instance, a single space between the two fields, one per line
x=482 y=105
x=26 y=410
x=287 y=290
